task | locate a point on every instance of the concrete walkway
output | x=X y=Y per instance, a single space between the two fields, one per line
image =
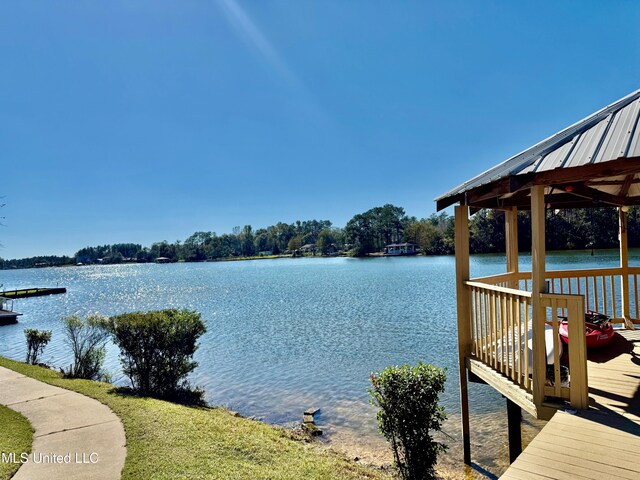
x=76 y=437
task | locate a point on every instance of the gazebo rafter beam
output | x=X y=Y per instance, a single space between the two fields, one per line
x=605 y=183
x=624 y=190
x=488 y=191
x=597 y=196
x=556 y=200
x=492 y=195
x=614 y=168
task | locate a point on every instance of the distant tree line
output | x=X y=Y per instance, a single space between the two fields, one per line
x=317 y=235
x=40 y=261
x=366 y=233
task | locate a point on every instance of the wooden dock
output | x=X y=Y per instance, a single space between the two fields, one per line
x=7 y=317
x=602 y=442
x=32 y=292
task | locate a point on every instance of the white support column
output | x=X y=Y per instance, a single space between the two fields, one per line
x=464 y=318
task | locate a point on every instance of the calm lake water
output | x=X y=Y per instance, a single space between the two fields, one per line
x=288 y=334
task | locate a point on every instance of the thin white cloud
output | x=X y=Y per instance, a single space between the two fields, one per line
x=255 y=39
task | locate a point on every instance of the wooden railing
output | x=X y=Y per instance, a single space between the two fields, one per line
x=574 y=387
x=501 y=326
x=601 y=288
x=634 y=300
x=500 y=320
x=506 y=279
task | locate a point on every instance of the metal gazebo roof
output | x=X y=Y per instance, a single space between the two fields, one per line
x=594 y=162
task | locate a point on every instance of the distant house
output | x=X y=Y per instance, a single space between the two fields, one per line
x=331 y=250
x=308 y=248
x=163 y=260
x=401 y=249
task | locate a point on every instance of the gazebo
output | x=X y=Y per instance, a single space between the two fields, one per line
x=502 y=319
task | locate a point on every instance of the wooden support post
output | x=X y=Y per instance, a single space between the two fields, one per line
x=624 y=265
x=464 y=318
x=538 y=281
x=511 y=241
x=579 y=384
x=514 y=420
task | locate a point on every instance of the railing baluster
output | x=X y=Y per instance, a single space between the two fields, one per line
x=489 y=336
x=479 y=316
x=518 y=346
x=480 y=329
x=483 y=316
x=635 y=287
x=496 y=326
x=499 y=331
x=503 y=326
x=613 y=296
x=474 y=315
x=474 y=330
x=527 y=379
x=512 y=329
x=507 y=314
x=492 y=328
x=556 y=348
x=476 y=320
x=586 y=291
x=487 y=329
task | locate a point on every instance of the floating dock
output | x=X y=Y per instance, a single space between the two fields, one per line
x=7 y=315
x=32 y=292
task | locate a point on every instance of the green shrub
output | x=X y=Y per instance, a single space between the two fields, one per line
x=36 y=341
x=87 y=339
x=407 y=398
x=157 y=350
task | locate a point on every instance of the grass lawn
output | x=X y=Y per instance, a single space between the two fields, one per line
x=16 y=436
x=166 y=440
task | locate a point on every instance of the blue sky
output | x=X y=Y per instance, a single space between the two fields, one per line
x=140 y=121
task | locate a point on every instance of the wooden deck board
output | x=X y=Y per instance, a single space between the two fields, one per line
x=588 y=427
x=573 y=469
x=573 y=453
x=602 y=442
x=543 y=468
x=517 y=474
x=548 y=441
x=590 y=462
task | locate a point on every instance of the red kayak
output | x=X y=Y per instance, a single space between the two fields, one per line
x=599 y=331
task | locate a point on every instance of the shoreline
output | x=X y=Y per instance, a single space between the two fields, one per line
x=590 y=252
x=151 y=452
x=375 y=455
